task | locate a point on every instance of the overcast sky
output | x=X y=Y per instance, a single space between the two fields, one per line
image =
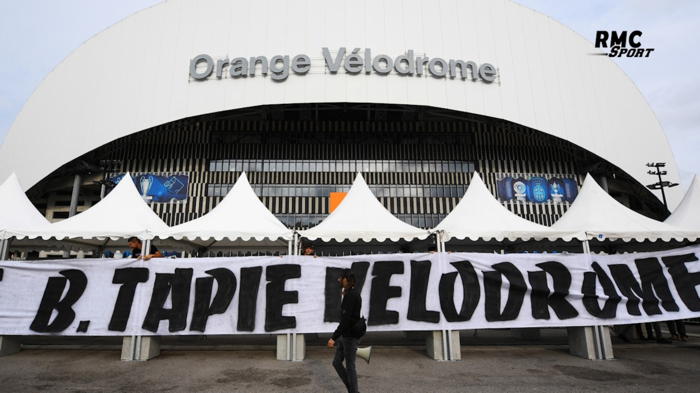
x=35 y=35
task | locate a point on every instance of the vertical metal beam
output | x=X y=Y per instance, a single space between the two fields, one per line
x=4 y=249
x=296 y=244
x=597 y=330
x=74 y=196
x=136 y=340
x=289 y=346
x=448 y=333
x=445 y=355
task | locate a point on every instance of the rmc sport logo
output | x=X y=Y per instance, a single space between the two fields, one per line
x=618 y=43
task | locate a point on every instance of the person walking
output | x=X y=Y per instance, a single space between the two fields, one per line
x=345 y=338
x=677 y=330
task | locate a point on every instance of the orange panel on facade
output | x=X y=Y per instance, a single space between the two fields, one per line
x=335 y=199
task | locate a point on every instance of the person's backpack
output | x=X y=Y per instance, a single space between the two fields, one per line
x=360 y=328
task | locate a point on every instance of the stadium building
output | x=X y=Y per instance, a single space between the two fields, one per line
x=301 y=96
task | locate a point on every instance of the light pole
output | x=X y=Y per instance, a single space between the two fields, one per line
x=661 y=184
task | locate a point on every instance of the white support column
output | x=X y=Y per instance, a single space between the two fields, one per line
x=8 y=344
x=590 y=342
x=139 y=348
x=444 y=345
x=291 y=347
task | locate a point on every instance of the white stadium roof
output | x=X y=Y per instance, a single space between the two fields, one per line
x=687 y=214
x=135 y=75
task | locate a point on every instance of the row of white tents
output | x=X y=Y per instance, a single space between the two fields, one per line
x=242 y=218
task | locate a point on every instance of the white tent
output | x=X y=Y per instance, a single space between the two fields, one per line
x=602 y=217
x=121 y=214
x=240 y=215
x=17 y=214
x=479 y=215
x=360 y=216
x=687 y=214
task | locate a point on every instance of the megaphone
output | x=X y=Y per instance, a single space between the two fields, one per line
x=364 y=353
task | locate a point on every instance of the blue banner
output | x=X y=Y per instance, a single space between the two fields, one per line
x=159 y=188
x=537 y=189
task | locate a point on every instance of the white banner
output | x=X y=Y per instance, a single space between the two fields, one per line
x=300 y=294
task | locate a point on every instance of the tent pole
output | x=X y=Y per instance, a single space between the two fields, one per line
x=145 y=247
x=598 y=333
x=4 y=248
x=586 y=247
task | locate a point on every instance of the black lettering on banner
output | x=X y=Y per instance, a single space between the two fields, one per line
x=2 y=272
x=178 y=286
x=650 y=274
x=248 y=297
x=417 y=309
x=590 y=295
x=129 y=278
x=381 y=292
x=276 y=297
x=203 y=306
x=470 y=289
x=331 y=311
x=492 y=292
x=77 y=282
x=541 y=299
x=83 y=326
x=684 y=281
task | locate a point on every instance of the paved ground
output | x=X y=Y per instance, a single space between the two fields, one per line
x=524 y=368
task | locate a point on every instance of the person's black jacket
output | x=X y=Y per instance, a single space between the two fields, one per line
x=349 y=314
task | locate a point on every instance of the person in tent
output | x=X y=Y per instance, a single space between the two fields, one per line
x=309 y=250
x=135 y=245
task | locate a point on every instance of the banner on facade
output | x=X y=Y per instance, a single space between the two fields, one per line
x=301 y=294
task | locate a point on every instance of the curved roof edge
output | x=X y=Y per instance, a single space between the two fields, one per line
x=134 y=76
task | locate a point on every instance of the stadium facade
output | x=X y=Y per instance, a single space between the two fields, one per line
x=303 y=95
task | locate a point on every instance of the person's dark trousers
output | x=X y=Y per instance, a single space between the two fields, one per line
x=659 y=337
x=650 y=332
x=345 y=350
x=677 y=328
